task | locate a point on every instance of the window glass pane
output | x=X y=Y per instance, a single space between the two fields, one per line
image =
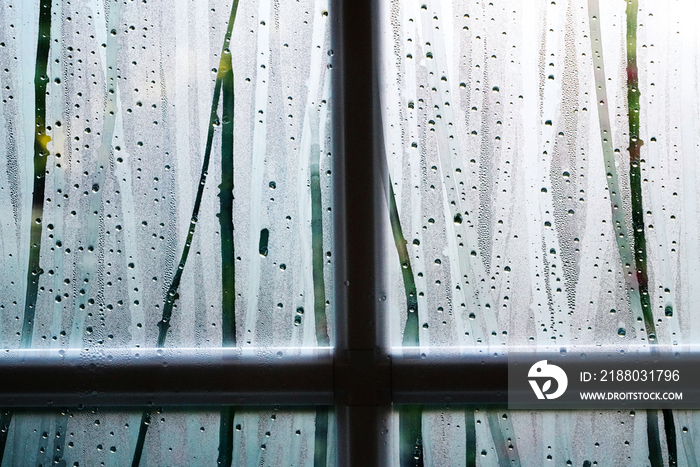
x=542 y=164
x=523 y=145
x=148 y=177
x=177 y=437
x=455 y=436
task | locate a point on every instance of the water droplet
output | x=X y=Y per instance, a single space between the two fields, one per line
x=262 y=245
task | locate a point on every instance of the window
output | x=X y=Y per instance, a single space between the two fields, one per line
x=311 y=232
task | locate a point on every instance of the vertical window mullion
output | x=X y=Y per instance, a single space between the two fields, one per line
x=362 y=384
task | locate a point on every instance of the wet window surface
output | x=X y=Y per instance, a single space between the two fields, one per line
x=165 y=182
x=176 y=191
x=542 y=162
x=189 y=437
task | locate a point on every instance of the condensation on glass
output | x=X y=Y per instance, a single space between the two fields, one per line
x=165 y=174
x=457 y=436
x=541 y=160
x=177 y=437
